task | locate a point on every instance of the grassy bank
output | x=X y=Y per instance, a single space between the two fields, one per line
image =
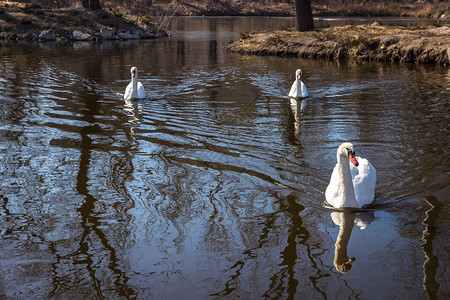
x=388 y=8
x=373 y=42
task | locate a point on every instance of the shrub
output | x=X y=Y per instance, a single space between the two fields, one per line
x=26 y=22
x=146 y=19
x=119 y=14
x=246 y=35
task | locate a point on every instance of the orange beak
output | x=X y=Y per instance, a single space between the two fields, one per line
x=353 y=158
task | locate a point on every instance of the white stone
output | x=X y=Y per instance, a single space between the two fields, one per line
x=47 y=35
x=81 y=36
x=106 y=33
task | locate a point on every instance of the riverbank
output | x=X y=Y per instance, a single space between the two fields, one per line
x=20 y=21
x=372 y=42
x=347 y=8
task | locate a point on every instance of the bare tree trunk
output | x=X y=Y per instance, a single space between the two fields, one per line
x=91 y=4
x=305 y=20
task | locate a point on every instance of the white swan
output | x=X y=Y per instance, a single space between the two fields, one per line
x=353 y=180
x=135 y=89
x=298 y=89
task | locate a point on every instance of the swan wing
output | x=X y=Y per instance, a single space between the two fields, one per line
x=141 y=90
x=293 y=91
x=364 y=180
x=303 y=89
x=128 y=91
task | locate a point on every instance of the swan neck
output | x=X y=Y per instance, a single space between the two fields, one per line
x=298 y=82
x=348 y=195
x=134 y=83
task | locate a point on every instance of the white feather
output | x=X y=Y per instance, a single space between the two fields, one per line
x=351 y=186
x=135 y=89
x=298 y=88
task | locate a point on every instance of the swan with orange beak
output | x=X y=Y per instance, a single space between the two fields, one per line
x=353 y=180
x=298 y=89
x=135 y=89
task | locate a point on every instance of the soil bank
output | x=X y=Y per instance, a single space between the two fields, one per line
x=372 y=42
x=19 y=21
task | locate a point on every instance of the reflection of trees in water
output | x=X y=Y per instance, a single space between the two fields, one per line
x=296 y=234
x=431 y=262
x=95 y=266
x=286 y=280
x=90 y=223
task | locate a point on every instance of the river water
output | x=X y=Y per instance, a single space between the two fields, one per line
x=210 y=187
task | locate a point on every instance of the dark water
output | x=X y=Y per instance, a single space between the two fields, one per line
x=209 y=188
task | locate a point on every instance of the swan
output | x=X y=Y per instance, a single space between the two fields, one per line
x=135 y=89
x=353 y=180
x=298 y=89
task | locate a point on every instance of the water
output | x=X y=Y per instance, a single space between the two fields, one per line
x=210 y=188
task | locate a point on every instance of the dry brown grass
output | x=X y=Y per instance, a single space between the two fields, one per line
x=419 y=9
x=410 y=8
x=356 y=42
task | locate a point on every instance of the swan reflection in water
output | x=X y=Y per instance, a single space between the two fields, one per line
x=134 y=109
x=346 y=221
x=297 y=107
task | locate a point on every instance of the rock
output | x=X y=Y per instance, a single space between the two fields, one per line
x=47 y=35
x=62 y=39
x=138 y=32
x=152 y=28
x=155 y=31
x=106 y=33
x=8 y=36
x=27 y=36
x=81 y=36
x=127 y=36
x=162 y=33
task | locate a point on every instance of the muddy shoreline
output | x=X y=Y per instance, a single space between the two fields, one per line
x=373 y=42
